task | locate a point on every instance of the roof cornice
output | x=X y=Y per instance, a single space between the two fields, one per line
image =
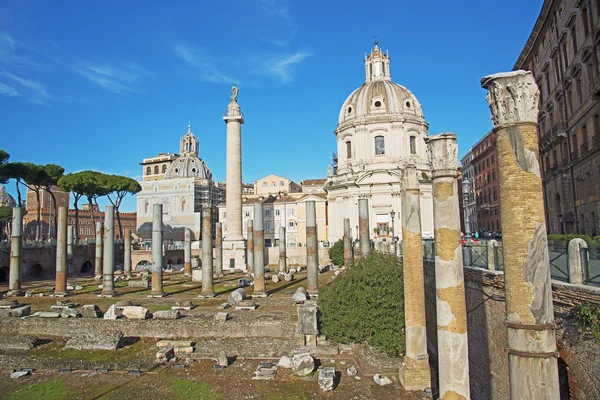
x=529 y=45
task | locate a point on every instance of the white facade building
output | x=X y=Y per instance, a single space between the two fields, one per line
x=381 y=129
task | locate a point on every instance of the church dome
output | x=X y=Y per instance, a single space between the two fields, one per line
x=379 y=95
x=6 y=200
x=188 y=164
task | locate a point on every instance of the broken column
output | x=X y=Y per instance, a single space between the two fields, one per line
x=533 y=370
x=157 y=256
x=414 y=372
x=259 y=248
x=108 y=256
x=312 y=249
x=250 y=255
x=60 y=287
x=127 y=255
x=207 y=253
x=99 y=265
x=16 y=244
x=449 y=279
x=70 y=249
x=347 y=243
x=187 y=252
x=219 y=250
x=282 y=251
x=363 y=226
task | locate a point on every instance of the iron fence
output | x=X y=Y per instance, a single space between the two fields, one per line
x=479 y=256
x=559 y=260
x=499 y=258
x=591 y=265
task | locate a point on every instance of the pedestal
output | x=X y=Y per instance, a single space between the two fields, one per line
x=235 y=249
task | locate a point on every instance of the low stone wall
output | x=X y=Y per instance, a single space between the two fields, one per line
x=203 y=325
x=488 y=361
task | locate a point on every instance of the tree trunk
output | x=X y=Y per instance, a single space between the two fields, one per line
x=38 y=228
x=76 y=199
x=19 y=193
x=92 y=211
x=55 y=211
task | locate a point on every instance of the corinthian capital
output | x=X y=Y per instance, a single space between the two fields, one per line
x=512 y=97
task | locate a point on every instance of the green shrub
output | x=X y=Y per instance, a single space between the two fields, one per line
x=336 y=253
x=589 y=317
x=569 y=237
x=597 y=240
x=366 y=303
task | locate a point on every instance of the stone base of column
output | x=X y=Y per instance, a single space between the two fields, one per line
x=157 y=295
x=15 y=293
x=312 y=291
x=235 y=249
x=415 y=374
x=107 y=295
x=208 y=294
x=187 y=269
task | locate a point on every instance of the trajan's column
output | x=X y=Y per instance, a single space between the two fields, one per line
x=234 y=246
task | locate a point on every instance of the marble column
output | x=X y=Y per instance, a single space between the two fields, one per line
x=250 y=255
x=533 y=370
x=187 y=252
x=282 y=251
x=234 y=240
x=127 y=251
x=70 y=249
x=157 y=250
x=16 y=245
x=219 y=250
x=347 y=243
x=414 y=371
x=108 y=256
x=363 y=227
x=99 y=264
x=60 y=287
x=312 y=249
x=207 y=254
x=453 y=352
x=259 y=250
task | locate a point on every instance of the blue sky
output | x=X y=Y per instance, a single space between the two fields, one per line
x=102 y=85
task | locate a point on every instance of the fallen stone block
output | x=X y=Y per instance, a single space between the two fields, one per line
x=222 y=316
x=165 y=354
x=136 y=312
x=111 y=313
x=302 y=364
x=223 y=360
x=143 y=284
x=95 y=340
x=166 y=314
x=265 y=371
x=381 y=380
x=8 y=304
x=183 y=350
x=223 y=306
x=183 y=305
x=70 y=313
x=243 y=282
x=20 y=311
x=174 y=343
x=236 y=296
x=246 y=305
x=17 y=342
x=69 y=287
x=351 y=371
x=288 y=277
x=275 y=278
x=47 y=314
x=196 y=275
x=123 y=303
x=20 y=374
x=91 y=311
x=285 y=362
x=78 y=287
x=326 y=378
x=301 y=295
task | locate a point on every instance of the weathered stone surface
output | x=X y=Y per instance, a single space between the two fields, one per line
x=91 y=311
x=111 y=313
x=183 y=305
x=351 y=371
x=302 y=364
x=165 y=354
x=136 y=312
x=20 y=311
x=236 y=296
x=223 y=360
x=17 y=342
x=19 y=375
x=70 y=313
x=301 y=295
x=327 y=378
x=381 y=380
x=243 y=282
x=95 y=340
x=166 y=314
x=246 y=305
x=47 y=314
x=183 y=350
x=8 y=303
x=223 y=306
x=197 y=275
x=222 y=316
x=174 y=343
x=285 y=362
x=307 y=319
x=288 y=277
x=265 y=371
x=138 y=283
x=275 y=278
x=123 y=303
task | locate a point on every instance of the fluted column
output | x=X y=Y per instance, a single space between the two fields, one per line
x=207 y=254
x=157 y=246
x=108 y=257
x=533 y=370
x=414 y=372
x=312 y=248
x=187 y=252
x=99 y=264
x=259 y=249
x=453 y=352
x=60 y=288
x=16 y=245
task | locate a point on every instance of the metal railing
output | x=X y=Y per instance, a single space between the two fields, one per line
x=591 y=266
x=559 y=260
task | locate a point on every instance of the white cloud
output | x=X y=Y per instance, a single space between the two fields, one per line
x=278 y=9
x=12 y=53
x=8 y=90
x=207 y=69
x=123 y=80
x=282 y=66
x=37 y=92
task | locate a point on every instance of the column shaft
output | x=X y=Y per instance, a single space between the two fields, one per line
x=234 y=121
x=347 y=243
x=60 y=287
x=108 y=256
x=127 y=252
x=70 y=249
x=363 y=226
x=312 y=248
x=207 y=253
x=16 y=244
x=533 y=369
x=99 y=264
x=219 y=250
x=449 y=278
x=250 y=256
x=259 y=248
x=157 y=245
x=187 y=252
x=282 y=250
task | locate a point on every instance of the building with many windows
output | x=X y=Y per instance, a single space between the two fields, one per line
x=563 y=53
x=484 y=161
x=274 y=184
x=468 y=203
x=49 y=201
x=85 y=224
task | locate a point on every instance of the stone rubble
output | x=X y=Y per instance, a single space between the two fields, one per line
x=223 y=360
x=326 y=378
x=245 y=305
x=111 y=313
x=136 y=312
x=95 y=340
x=166 y=314
x=236 y=296
x=164 y=354
x=351 y=371
x=381 y=380
x=91 y=311
x=222 y=316
x=302 y=364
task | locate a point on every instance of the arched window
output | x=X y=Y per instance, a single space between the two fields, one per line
x=379 y=145
x=148 y=171
x=164 y=169
x=348 y=150
x=413 y=144
x=146 y=206
x=156 y=170
x=183 y=206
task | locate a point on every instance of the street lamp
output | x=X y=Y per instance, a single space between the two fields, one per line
x=466 y=191
x=392 y=214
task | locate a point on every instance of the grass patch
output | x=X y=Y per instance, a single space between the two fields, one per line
x=188 y=389
x=48 y=390
x=159 y=307
x=126 y=354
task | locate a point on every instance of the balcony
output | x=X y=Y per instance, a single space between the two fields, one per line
x=548 y=139
x=573 y=155
x=595 y=86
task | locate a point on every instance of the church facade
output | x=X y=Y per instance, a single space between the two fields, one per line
x=183 y=184
x=381 y=129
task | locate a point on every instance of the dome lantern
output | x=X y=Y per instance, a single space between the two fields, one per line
x=377 y=65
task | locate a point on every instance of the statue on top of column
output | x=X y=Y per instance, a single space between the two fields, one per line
x=234 y=92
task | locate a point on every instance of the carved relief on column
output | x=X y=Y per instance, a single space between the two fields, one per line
x=512 y=96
